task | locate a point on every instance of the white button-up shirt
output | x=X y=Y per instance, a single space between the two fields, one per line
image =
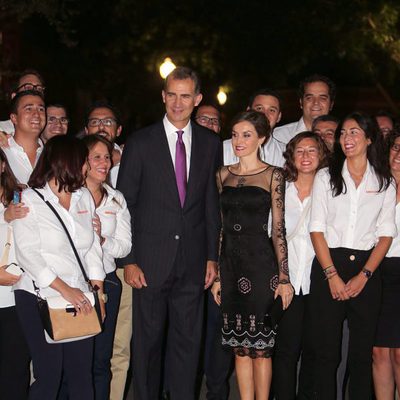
x=42 y=247
x=357 y=218
x=19 y=160
x=286 y=132
x=300 y=249
x=6 y=294
x=115 y=227
x=394 y=250
x=172 y=137
x=271 y=153
x=115 y=169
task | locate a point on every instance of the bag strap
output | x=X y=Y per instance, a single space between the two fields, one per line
x=300 y=223
x=69 y=236
x=7 y=246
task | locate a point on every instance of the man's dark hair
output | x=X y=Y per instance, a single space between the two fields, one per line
x=387 y=114
x=103 y=104
x=57 y=105
x=27 y=72
x=264 y=92
x=17 y=98
x=318 y=78
x=324 y=118
x=62 y=158
x=213 y=105
x=181 y=73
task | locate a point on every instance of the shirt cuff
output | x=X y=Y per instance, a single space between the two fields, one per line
x=317 y=227
x=387 y=231
x=45 y=278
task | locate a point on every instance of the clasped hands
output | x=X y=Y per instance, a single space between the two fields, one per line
x=345 y=291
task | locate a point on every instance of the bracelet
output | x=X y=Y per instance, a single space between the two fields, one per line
x=284 y=281
x=326 y=269
x=217 y=279
x=331 y=275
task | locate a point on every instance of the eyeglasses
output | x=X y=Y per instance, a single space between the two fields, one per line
x=395 y=148
x=54 y=120
x=206 y=120
x=31 y=86
x=98 y=121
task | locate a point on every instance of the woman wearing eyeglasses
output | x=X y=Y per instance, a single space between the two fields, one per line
x=352 y=226
x=386 y=354
x=14 y=354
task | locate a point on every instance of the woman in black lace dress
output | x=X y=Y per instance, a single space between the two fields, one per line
x=252 y=270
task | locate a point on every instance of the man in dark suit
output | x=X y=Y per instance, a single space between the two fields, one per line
x=167 y=175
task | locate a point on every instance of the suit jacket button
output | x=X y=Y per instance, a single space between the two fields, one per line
x=176 y=237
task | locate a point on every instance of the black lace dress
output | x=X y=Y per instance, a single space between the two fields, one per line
x=248 y=261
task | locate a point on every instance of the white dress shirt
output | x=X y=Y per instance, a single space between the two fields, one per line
x=300 y=249
x=271 y=153
x=394 y=250
x=286 y=132
x=6 y=294
x=115 y=227
x=19 y=160
x=115 y=169
x=7 y=126
x=42 y=247
x=172 y=137
x=356 y=219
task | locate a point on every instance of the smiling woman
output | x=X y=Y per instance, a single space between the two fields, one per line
x=352 y=226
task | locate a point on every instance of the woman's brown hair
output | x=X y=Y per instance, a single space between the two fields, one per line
x=8 y=182
x=290 y=169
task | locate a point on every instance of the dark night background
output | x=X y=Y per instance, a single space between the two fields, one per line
x=88 y=50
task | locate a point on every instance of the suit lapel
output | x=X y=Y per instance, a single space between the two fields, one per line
x=197 y=158
x=164 y=159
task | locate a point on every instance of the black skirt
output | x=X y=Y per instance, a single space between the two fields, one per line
x=388 y=329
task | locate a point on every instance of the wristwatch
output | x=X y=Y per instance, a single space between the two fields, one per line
x=367 y=272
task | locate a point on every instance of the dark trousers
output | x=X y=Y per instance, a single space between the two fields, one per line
x=327 y=316
x=287 y=350
x=103 y=343
x=14 y=357
x=217 y=359
x=179 y=301
x=51 y=361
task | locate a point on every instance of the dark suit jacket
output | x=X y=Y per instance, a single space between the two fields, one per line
x=159 y=224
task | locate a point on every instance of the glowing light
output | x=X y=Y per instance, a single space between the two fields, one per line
x=222 y=97
x=166 y=67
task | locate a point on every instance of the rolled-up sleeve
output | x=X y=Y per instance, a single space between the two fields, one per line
x=27 y=239
x=386 y=226
x=319 y=202
x=119 y=244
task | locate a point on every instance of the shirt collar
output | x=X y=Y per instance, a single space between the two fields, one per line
x=118 y=148
x=14 y=145
x=171 y=130
x=50 y=196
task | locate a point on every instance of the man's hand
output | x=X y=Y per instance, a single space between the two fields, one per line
x=134 y=276
x=211 y=274
x=4 y=139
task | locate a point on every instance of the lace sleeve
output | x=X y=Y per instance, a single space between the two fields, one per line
x=278 y=222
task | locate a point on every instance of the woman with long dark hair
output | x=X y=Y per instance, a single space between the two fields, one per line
x=113 y=225
x=352 y=226
x=14 y=354
x=305 y=154
x=253 y=272
x=46 y=255
x=386 y=354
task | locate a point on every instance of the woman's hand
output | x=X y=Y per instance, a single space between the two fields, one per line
x=7 y=279
x=216 y=292
x=102 y=308
x=285 y=290
x=355 y=285
x=337 y=288
x=97 y=225
x=78 y=299
x=15 y=211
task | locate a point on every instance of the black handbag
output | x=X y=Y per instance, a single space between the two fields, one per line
x=60 y=320
x=274 y=314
